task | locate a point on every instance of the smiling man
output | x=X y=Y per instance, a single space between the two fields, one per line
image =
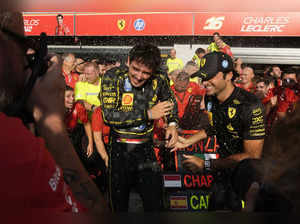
x=237 y=119
x=131 y=101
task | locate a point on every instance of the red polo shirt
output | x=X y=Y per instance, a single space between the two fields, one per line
x=98 y=124
x=30 y=177
x=71 y=79
x=182 y=98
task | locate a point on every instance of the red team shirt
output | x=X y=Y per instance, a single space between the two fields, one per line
x=226 y=50
x=78 y=112
x=183 y=97
x=98 y=124
x=30 y=176
x=71 y=80
x=250 y=88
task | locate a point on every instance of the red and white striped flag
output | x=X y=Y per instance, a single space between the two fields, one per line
x=172 y=180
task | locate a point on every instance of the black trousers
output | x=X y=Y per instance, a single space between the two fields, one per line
x=134 y=165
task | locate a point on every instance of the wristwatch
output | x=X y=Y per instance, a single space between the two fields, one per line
x=207 y=164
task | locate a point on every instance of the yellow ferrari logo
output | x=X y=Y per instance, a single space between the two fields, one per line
x=121 y=24
x=231 y=112
x=202 y=62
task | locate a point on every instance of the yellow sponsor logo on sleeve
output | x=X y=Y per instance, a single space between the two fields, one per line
x=257 y=111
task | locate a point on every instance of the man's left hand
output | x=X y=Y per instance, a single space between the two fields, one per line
x=171 y=133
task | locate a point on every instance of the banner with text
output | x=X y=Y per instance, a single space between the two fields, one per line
x=164 y=24
x=248 y=24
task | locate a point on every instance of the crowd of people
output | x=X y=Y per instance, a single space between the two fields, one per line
x=121 y=119
x=273 y=94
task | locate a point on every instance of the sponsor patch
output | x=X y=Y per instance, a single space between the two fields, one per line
x=225 y=64
x=257 y=111
x=127 y=99
x=178 y=202
x=172 y=180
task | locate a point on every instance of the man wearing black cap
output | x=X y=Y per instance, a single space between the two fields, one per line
x=237 y=119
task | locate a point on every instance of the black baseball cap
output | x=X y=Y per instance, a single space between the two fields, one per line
x=213 y=63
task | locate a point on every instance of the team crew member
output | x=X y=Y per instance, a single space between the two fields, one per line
x=100 y=133
x=68 y=66
x=223 y=47
x=174 y=63
x=199 y=53
x=237 y=119
x=247 y=80
x=213 y=46
x=75 y=113
x=183 y=90
x=130 y=102
x=87 y=92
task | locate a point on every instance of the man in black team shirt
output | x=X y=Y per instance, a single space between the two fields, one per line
x=131 y=100
x=237 y=119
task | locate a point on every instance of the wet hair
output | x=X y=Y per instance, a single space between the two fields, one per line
x=200 y=51
x=266 y=81
x=146 y=54
x=69 y=88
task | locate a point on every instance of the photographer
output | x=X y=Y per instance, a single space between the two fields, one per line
x=37 y=175
x=288 y=94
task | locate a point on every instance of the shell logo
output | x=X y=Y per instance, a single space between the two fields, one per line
x=127 y=99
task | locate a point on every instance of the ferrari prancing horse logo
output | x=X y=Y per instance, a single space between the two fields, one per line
x=121 y=24
x=231 y=112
